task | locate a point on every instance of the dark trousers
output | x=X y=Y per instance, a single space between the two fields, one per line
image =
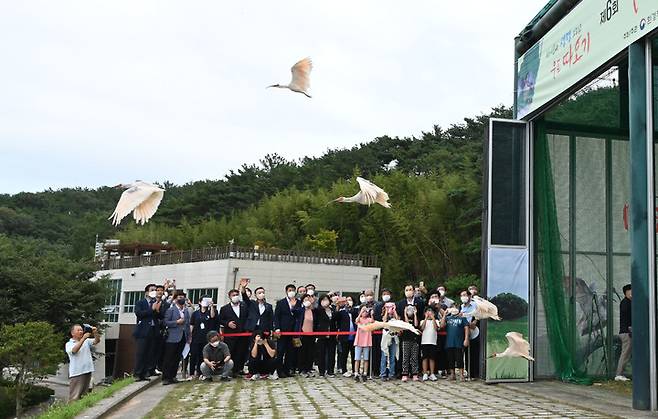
x=307 y=354
x=239 y=347
x=376 y=354
x=172 y=356
x=441 y=355
x=262 y=366
x=196 y=357
x=327 y=352
x=285 y=355
x=473 y=358
x=144 y=354
x=158 y=350
x=346 y=348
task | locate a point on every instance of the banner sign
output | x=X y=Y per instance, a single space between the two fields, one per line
x=591 y=34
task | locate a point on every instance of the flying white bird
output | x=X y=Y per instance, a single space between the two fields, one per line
x=368 y=195
x=392 y=325
x=301 y=77
x=517 y=347
x=484 y=309
x=142 y=198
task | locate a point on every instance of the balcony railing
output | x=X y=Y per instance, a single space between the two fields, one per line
x=242 y=253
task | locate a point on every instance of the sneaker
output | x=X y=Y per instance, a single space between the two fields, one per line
x=425 y=377
x=416 y=378
x=357 y=377
x=264 y=377
x=255 y=377
x=405 y=378
x=621 y=378
x=274 y=376
x=331 y=375
x=347 y=374
x=225 y=378
x=433 y=377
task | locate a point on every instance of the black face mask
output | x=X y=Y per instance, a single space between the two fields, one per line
x=181 y=301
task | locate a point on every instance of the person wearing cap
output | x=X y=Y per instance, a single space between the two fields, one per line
x=216 y=358
x=624 y=332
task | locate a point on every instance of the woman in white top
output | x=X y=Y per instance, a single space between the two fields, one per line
x=430 y=328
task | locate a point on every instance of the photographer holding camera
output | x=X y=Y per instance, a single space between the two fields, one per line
x=81 y=364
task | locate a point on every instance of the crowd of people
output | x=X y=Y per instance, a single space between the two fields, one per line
x=303 y=333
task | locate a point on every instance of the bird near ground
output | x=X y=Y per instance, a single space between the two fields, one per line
x=484 y=309
x=392 y=325
x=301 y=77
x=368 y=195
x=142 y=198
x=517 y=347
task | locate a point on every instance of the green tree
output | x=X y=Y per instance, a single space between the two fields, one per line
x=32 y=350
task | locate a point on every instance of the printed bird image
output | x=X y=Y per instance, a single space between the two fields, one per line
x=484 y=309
x=368 y=195
x=517 y=347
x=391 y=325
x=142 y=198
x=301 y=77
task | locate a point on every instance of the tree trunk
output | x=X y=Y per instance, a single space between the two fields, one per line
x=19 y=393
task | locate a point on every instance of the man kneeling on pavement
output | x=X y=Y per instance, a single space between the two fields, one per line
x=216 y=358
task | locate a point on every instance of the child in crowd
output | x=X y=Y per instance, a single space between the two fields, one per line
x=430 y=328
x=409 y=342
x=456 y=339
x=362 y=345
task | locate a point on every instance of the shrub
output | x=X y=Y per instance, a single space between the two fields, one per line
x=510 y=306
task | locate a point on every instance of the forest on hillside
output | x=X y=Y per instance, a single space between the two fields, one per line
x=432 y=232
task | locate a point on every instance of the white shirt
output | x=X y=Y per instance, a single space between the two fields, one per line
x=81 y=362
x=236 y=309
x=261 y=309
x=429 y=333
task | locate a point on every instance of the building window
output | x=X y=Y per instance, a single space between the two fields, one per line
x=129 y=300
x=196 y=293
x=113 y=301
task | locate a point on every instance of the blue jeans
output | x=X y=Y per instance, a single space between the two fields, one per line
x=386 y=356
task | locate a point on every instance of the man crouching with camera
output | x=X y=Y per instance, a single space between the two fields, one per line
x=81 y=365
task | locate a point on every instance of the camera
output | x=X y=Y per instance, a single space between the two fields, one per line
x=86 y=328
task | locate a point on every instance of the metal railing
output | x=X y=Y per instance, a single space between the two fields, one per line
x=242 y=253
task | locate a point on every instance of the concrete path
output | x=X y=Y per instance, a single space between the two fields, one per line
x=141 y=404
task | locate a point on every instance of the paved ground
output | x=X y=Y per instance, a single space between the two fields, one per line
x=341 y=397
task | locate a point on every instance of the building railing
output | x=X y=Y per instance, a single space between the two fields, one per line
x=242 y=253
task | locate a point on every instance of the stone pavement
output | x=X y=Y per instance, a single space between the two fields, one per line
x=342 y=397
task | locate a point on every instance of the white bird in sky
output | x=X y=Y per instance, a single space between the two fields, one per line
x=301 y=77
x=484 y=309
x=368 y=195
x=518 y=347
x=142 y=198
x=392 y=325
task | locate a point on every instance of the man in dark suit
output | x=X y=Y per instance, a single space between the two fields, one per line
x=155 y=367
x=147 y=312
x=287 y=318
x=233 y=318
x=260 y=317
x=177 y=319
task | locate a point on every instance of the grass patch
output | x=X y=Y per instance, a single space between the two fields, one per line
x=70 y=410
x=172 y=402
x=505 y=368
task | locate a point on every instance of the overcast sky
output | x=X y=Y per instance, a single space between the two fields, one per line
x=98 y=93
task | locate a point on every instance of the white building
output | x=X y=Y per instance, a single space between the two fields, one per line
x=214 y=271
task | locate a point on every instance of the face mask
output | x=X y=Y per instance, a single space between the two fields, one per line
x=325 y=303
x=473 y=292
x=464 y=299
x=409 y=294
x=235 y=299
x=204 y=304
x=369 y=298
x=386 y=298
x=442 y=293
x=410 y=313
x=307 y=304
x=214 y=344
x=181 y=301
x=152 y=294
x=362 y=299
x=291 y=294
x=350 y=303
x=334 y=298
x=165 y=294
x=260 y=295
x=310 y=292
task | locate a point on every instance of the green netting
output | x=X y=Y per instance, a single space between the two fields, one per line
x=550 y=268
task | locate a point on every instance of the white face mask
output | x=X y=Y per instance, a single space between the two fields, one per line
x=260 y=295
x=409 y=294
x=235 y=299
x=307 y=304
x=204 y=303
x=310 y=291
x=362 y=299
x=464 y=299
x=152 y=294
x=291 y=294
x=214 y=344
x=386 y=298
x=442 y=293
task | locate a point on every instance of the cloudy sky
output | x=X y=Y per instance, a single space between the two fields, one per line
x=97 y=93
